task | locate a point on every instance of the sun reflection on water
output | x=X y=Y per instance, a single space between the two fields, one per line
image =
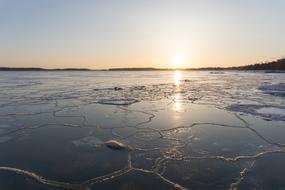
x=177 y=77
x=177 y=103
x=177 y=98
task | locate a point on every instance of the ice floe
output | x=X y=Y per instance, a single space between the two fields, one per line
x=115 y=101
x=115 y=145
x=268 y=112
x=273 y=89
x=94 y=142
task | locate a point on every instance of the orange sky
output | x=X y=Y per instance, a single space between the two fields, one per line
x=159 y=33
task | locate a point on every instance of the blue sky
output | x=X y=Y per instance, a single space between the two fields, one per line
x=140 y=33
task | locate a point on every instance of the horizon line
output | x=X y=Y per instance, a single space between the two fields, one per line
x=140 y=68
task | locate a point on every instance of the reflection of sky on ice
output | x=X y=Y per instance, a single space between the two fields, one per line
x=173 y=125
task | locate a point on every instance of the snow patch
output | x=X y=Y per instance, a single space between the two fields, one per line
x=268 y=112
x=274 y=89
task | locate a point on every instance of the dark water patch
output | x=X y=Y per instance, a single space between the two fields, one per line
x=267 y=173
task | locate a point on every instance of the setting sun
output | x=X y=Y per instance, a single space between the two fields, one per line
x=178 y=60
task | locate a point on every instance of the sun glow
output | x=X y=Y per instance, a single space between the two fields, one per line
x=178 y=60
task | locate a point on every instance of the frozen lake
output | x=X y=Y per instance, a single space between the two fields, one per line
x=139 y=130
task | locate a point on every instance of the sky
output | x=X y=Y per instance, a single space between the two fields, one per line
x=101 y=34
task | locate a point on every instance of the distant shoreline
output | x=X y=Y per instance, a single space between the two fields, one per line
x=278 y=65
x=40 y=69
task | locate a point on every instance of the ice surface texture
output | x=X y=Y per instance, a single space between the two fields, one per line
x=142 y=130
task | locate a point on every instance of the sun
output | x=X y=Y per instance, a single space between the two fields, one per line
x=178 y=60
